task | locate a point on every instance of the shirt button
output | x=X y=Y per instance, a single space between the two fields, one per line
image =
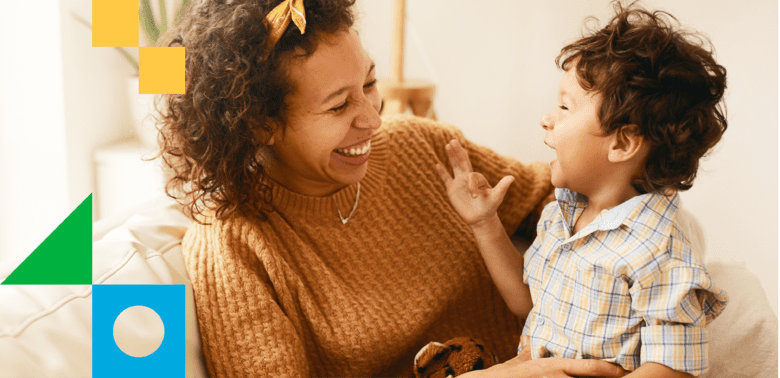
x=566 y=247
x=541 y=321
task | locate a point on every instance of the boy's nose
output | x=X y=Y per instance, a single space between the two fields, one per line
x=546 y=121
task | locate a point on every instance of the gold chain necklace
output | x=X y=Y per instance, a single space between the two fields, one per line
x=354 y=206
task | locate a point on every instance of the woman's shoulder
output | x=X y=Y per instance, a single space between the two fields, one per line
x=416 y=140
x=234 y=232
x=405 y=126
x=235 y=244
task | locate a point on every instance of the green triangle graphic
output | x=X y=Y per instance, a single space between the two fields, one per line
x=65 y=257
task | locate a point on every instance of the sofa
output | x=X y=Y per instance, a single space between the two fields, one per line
x=45 y=330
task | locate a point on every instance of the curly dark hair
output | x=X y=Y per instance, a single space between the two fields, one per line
x=660 y=78
x=213 y=137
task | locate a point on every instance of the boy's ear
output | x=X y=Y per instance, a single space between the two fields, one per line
x=627 y=144
x=272 y=134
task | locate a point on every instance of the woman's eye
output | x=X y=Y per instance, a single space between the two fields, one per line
x=340 y=107
x=343 y=106
x=563 y=107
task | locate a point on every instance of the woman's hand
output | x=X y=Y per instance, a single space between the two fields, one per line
x=470 y=193
x=523 y=366
x=549 y=368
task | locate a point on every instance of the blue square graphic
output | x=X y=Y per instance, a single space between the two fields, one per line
x=108 y=301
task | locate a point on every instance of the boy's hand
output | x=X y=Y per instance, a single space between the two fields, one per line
x=470 y=193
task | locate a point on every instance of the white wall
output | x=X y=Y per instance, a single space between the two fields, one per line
x=495 y=76
x=96 y=98
x=60 y=99
x=32 y=128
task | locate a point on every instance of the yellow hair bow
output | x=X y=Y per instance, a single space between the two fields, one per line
x=279 y=18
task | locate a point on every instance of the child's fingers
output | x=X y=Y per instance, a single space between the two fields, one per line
x=463 y=156
x=445 y=176
x=502 y=187
x=477 y=183
x=459 y=159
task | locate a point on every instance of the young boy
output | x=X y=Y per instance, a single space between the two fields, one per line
x=610 y=275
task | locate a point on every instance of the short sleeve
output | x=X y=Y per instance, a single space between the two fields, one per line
x=526 y=197
x=676 y=304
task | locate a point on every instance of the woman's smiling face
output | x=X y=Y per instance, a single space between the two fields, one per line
x=332 y=114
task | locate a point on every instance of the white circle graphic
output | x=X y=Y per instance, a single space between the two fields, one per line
x=138 y=331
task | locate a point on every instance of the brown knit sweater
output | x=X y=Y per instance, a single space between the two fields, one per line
x=302 y=294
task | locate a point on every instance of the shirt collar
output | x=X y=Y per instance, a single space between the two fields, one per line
x=618 y=214
x=650 y=209
x=567 y=196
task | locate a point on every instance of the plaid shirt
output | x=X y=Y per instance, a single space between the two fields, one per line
x=627 y=288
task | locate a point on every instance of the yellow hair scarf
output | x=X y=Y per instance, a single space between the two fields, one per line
x=279 y=18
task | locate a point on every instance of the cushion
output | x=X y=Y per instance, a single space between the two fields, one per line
x=743 y=339
x=46 y=330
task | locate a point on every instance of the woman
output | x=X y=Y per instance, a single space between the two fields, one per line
x=326 y=245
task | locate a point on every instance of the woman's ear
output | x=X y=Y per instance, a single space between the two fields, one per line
x=264 y=130
x=627 y=144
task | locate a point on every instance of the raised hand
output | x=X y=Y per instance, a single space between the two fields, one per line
x=470 y=193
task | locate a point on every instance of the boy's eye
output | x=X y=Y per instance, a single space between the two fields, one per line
x=563 y=107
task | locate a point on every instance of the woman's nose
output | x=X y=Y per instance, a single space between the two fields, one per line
x=369 y=115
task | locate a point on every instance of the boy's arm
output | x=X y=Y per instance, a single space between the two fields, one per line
x=504 y=263
x=654 y=370
x=476 y=202
x=676 y=298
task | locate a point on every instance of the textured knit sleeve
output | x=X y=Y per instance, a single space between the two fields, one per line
x=255 y=339
x=676 y=303
x=531 y=191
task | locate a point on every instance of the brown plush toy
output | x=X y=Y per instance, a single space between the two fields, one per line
x=453 y=358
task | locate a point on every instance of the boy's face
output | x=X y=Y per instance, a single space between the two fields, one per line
x=574 y=132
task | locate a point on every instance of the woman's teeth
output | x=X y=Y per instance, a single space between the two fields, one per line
x=354 y=151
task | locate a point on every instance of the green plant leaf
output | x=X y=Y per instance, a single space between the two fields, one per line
x=163 y=17
x=81 y=20
x=124 y=53
x=128 y=58
x=148 y=24
x=180 y=11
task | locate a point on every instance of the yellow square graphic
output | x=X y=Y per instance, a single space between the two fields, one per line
x=114 y=23
x=161 y=70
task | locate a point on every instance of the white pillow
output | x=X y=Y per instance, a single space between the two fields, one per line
x=46 y=330
x=743 y=339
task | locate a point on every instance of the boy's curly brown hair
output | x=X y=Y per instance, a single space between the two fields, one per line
x=213 y=136
x=660 y=78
